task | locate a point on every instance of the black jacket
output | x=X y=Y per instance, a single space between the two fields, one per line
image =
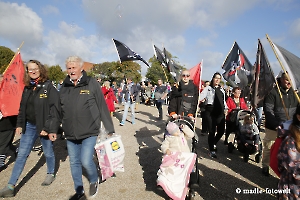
x=274 y=111
x=8 y=123
x=83 y=108
x=46 y=107
x=184 y=99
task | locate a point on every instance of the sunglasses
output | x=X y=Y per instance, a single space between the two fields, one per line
x=185 y=75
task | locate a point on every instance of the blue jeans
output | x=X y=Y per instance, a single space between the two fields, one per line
x=81 y=155
x=259 y=117
x=26 y=143
x=132 y=108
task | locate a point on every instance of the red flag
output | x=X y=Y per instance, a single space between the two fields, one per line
x=11 y=87
x=195 y=73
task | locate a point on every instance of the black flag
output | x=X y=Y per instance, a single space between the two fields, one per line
x=160 y=56
x=126 y=54
x=264 y=79
x=238 y=69
x=172 y=67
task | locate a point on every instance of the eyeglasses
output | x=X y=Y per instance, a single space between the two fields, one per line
x=33 y=70
x=185 y=75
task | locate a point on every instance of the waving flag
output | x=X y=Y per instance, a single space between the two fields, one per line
x=160 y=56
x=172 y=67
x=238 y=69
x=264 y=79
x=11 y=87
x=290 y=63
x=195 y=73
x=126 y=54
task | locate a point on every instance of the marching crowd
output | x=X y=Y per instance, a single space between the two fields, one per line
x=78 y=105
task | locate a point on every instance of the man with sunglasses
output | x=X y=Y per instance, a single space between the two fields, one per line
x=183 y=99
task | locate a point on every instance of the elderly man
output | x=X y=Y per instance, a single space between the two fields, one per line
x=275 y=114
x=184 y=99
x=83 y=109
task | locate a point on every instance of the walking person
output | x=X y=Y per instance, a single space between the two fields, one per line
x=184 y=97
x=7 y=133
x=39 y=116
x=109 y=96
x=130 y=92
x=215 y=112
x=275 y=114
x=160 y=94
x=234 y=104
x=83 y=109
x=288 y=161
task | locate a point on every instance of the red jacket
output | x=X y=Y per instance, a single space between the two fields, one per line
x=110 y=98
x=231 y=105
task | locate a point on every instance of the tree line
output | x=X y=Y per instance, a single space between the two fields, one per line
x=107 y=71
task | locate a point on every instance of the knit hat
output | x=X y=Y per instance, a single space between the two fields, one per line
x=172 y=128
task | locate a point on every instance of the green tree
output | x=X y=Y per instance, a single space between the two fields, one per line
x=116 y=71
x=55 y=73
x=156 y=71
x=6 y=55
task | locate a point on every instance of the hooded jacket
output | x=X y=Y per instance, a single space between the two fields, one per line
x=46 y=107
x=83 y=108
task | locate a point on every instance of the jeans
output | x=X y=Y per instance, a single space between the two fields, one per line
x=26 y=143
x=132 y=108
x=159 y=104
x=81 y=154
x=268 y=141
x=259 y=117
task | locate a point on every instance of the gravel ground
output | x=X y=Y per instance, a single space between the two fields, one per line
x=227 y=177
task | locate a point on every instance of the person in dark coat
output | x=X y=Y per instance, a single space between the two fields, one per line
x=275 y=114
x=83 y=109
x=39 y=116
x=7 y=133
x=184 y=99
x=215 y=111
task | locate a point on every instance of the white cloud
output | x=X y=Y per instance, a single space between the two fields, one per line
x=49 y=9
x=19 y=23
x=295 y=28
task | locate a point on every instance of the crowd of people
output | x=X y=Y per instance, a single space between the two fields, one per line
x=79 y=104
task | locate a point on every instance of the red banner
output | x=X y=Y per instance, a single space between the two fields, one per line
x=195 y=73
x=11 y=87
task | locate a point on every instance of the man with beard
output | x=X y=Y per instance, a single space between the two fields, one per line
x=275 y=114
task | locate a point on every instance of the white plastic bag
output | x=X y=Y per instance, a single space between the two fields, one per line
x=110 y=153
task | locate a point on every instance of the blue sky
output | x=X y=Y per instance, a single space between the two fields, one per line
x=191 y=30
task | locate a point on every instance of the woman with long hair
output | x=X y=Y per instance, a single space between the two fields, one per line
x=39 y=116
x=215 y=112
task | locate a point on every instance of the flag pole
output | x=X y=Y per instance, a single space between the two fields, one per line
x=287 y=75
x=198 y=101
x=18 y=51
x=276 y=82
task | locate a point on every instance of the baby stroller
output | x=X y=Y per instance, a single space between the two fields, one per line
x=194 y=176
x=237 y=144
